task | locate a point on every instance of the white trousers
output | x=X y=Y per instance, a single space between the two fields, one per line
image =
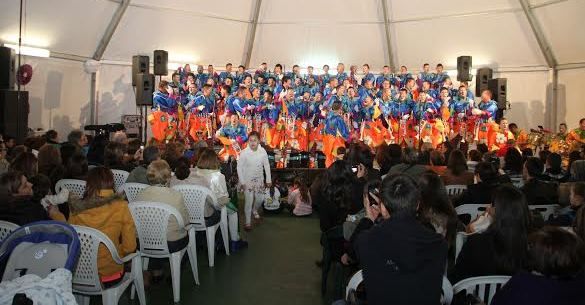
x=233 y=225
x=254 y=201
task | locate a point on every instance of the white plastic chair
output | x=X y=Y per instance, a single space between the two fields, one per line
x=471 y=209
x=132 y=189
x=75 y=186
x=358 y=278
x=195 y=196
x=455 y=190
x=6 y=228
x=120 y=178
x=545 y=209
x=484 y=287
x=86 y=280
x=460 y=240
x=151 y=220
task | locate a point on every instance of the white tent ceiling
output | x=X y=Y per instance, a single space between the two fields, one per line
x=316 y=32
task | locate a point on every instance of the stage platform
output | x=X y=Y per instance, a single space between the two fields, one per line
x=287 y=175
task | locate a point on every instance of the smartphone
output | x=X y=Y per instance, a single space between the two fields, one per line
x=354 y=169
x=141 y=147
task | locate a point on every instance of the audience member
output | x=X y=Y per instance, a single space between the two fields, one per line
x=299 y=199
x=513 y=164
x=335 y=197
x=17 y=204
x=409 y=164
x=535 y=189
x=52 y=137
x=554 y=170
x=26 y=163
x=4 y=164
x=102 y=209
x=501 y=249
x=578 y=170
x=138 y=174
x=361 y=160
x=402 y=260
x=473 y=157
x=435 y=208
x=114 y=157
x=78 y=139
x=95 y=155
x=486 y=180
x=457 y=172
x=566 y=216
x=77 y=167
x=50 y=163
x=555 y=276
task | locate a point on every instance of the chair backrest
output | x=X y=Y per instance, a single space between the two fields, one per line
x=6 y=228
x=472 y=209
x=454 y=190
x=354 y=282
x=151 y=220
x=195 y=196
x=484 y=287
x=460 y=240
x=545 y=209
x=120 y=177
x=358 y=278
x=132 y=189
x=75 y=186
x=85 y=276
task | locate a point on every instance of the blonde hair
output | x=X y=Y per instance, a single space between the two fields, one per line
x=159 y=173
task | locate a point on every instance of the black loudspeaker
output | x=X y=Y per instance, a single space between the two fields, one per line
x=140 y=64
x=144 y=89
x=7 y=68
x=481 y=80
x=14 y=114
x=499 y=89
x=161 y=58
x=464 y=68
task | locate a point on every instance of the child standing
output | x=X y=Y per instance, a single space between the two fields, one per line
x=252 y=167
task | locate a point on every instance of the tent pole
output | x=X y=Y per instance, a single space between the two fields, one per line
x=249 y=45
x=390 y=53
x=103 y=44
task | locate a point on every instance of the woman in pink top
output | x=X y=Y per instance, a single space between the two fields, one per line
x=299 y=199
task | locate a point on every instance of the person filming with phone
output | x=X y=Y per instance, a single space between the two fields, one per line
x=403 y=261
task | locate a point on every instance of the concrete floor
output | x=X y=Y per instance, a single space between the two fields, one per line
x=277 y=268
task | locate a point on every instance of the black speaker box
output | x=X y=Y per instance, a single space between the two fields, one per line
x=14 y=114
x=144 y=89
x=140 y=64
x=499 y=89
x=7 y=68
x=161 y=58
x=481 y=80
x=464 y=68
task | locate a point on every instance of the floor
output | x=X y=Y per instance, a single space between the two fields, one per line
x=277 y=268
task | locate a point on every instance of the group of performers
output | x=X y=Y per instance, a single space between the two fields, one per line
x=310 y=112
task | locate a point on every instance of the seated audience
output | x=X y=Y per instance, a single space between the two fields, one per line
x=17 y=203
x=361 y=158
x=501 y=249
x=207 y=174
x=566 y=216
x=403 y=261
x=77 y=167
x=577 y=170
x=52 y=137
x=335 y=197
x=299 y=199
x=50 y=163
x=473 y=157
x=173 y=151
x=513 y=164
x=536 y=190
x=138 y=174
x=457 y=172
x=435 y=207
x=554 y=170
x=78 y=139
x=26 y=163
x=409 y=164
x=486 y=180
x=97 y=148
x=556 y=260
x=4 y=164
x=102 y=209
x=115 y=157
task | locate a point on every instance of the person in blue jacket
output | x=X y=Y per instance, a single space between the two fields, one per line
x=234 y=130
x=225 y=74
x=334 y=123
x=403 y=105
x=386 y=75
x=367 y=74
x=487 y=108
x=341 y=74
x=162 y=100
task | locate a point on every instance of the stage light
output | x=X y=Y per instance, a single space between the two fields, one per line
x=29 y=51
x=29 y=40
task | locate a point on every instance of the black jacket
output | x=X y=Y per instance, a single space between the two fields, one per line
x=480 y=193
x=541 y=192
x=21 y=210
x=402 y=260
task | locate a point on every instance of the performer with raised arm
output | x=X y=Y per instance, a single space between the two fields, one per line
x=487 y=108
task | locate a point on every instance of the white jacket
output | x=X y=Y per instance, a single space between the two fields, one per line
x=252 y=166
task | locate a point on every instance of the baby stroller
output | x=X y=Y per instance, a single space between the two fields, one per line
x=39 y=248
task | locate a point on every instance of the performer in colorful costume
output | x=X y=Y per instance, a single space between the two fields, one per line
x=163 y=120
x=336 y=133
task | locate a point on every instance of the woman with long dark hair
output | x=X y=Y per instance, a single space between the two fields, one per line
x=335 y=199
x=457 y=172
x=435 y=208
x=50 y=163
x=502 y=248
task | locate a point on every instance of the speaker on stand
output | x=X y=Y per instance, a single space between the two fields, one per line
x=464 y=68
x=142 y=83
x=481 y=80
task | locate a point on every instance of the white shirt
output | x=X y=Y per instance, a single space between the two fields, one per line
x=252 y=165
